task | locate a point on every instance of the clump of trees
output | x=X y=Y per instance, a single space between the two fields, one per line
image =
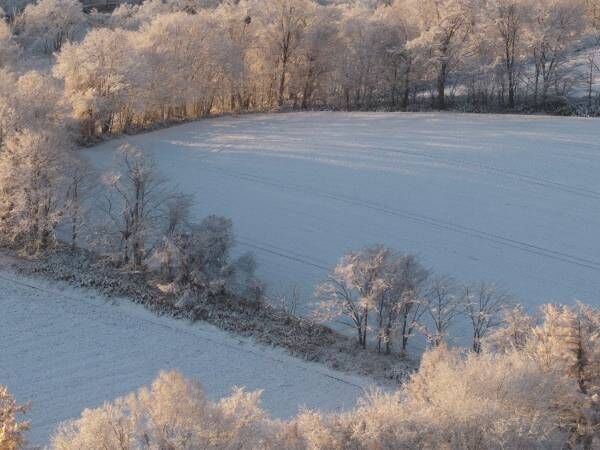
x=389 y=296
x=49 y=198
x=534 y=384
x=173 y=413
x=375 y=285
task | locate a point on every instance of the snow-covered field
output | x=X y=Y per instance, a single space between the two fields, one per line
x=64 y=349
x=510 y=199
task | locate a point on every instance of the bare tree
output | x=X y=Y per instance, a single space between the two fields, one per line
x=79 y=188
x=176 y=221
x=400 y=307
x=509 y=17
x=442 y=304
x=288 y=20
x=133 y=203
x=484 y=304
x=593 y=68
x=289 y=300
x=555 y=27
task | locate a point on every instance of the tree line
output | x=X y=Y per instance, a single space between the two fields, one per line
x=164 y=61
x=390 y=296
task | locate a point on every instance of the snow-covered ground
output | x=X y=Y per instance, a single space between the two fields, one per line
x=65 y=349
x=510 y=199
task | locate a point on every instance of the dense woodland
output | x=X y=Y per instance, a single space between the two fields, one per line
x=160 y=61
x=69 y=77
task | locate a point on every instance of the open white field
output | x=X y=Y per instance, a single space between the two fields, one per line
x=511 y=199
x=67 y=349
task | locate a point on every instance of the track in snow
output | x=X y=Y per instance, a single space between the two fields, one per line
x=512 y=199
x=65 y=350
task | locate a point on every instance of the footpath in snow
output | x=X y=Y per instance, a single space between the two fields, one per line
x=65 y=349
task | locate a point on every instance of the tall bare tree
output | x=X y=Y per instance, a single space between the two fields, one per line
x=484 y=304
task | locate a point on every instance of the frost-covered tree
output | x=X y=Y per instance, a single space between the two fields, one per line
x=80 y=189
x=443 y=41
x=32 y=184
x=361 y=48
x=195 y=259
x=46 y=25
x=34 y=152
x=453 y=401
x=507 y=21
x=539 y=395
x=12 y=431
x=172 y=413
x=316 y=56
x=398 y=59
x=30 y=101
x=133 y=203
x=483 y=304
x=285 y=22
x=99 y=75
x=177 y=220
x=400 y=306
x=353 y=288
x=568 y=340
x=555 y=25
x=513 y=333
x=204 y=254
x=442 y=306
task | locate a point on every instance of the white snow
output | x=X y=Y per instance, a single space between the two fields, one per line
x=504 y=198
x=65 y=349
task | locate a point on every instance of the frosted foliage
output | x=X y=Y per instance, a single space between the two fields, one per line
x=513 y=334
x=46 y=25
x=165 y=61
x=12 y=430
x=32 y=100
x=173 y=413
x=379 y=290
x=31 y=175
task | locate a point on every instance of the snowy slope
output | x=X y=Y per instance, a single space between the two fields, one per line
x=512 y=199
x=578 y=68
x=65 y=349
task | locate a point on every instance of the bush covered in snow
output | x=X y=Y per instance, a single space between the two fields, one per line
x=173 y=413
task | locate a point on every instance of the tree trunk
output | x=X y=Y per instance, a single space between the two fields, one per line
x=441 y=87
x=405 y=96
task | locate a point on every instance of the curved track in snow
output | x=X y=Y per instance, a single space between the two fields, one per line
x=65 y=349
x=512 y=199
